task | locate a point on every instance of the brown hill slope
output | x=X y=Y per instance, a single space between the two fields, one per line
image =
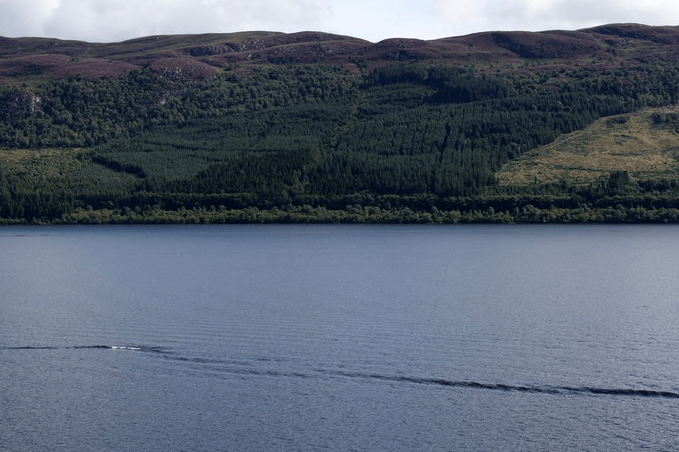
x=200 y=56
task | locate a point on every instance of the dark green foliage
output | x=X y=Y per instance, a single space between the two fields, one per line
x=451 y=84
x=77 y=112
x=669 y=120
x=405 y=136
x=618 y=182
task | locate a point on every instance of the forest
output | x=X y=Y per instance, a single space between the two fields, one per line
x=404 y=141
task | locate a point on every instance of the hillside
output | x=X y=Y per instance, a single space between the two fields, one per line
x=203 y=56
x=262 y=126
x=637 y=143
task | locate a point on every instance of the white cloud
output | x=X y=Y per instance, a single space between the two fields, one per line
x=25 y=17
x=380 y=19
x=537 y=15
x=106 y=20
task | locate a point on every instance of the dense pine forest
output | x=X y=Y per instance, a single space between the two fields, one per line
x=403 y=136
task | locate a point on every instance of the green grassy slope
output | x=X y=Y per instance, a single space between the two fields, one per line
x=633 y=143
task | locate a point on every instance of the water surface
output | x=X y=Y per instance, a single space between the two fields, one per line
x=372 y=338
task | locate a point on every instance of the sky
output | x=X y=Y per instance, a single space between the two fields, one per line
x=373 y=20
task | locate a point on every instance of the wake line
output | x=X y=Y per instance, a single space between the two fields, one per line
x=557 y=390
x=243 y=367
x=627 y=392
x=140 y=348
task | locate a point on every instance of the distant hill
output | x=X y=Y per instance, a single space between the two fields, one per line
x=200 y=56
x=310 y=126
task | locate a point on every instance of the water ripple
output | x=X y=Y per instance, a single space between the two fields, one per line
x=250 y=367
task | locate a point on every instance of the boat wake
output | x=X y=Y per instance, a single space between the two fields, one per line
x=556 y=390
x=253 y=367
x=140 y=348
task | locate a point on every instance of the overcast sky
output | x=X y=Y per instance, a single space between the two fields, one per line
x=374 y=20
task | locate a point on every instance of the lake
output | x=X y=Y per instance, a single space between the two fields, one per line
x=324 y=337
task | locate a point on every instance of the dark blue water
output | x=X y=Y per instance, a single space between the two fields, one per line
x=375 y=338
